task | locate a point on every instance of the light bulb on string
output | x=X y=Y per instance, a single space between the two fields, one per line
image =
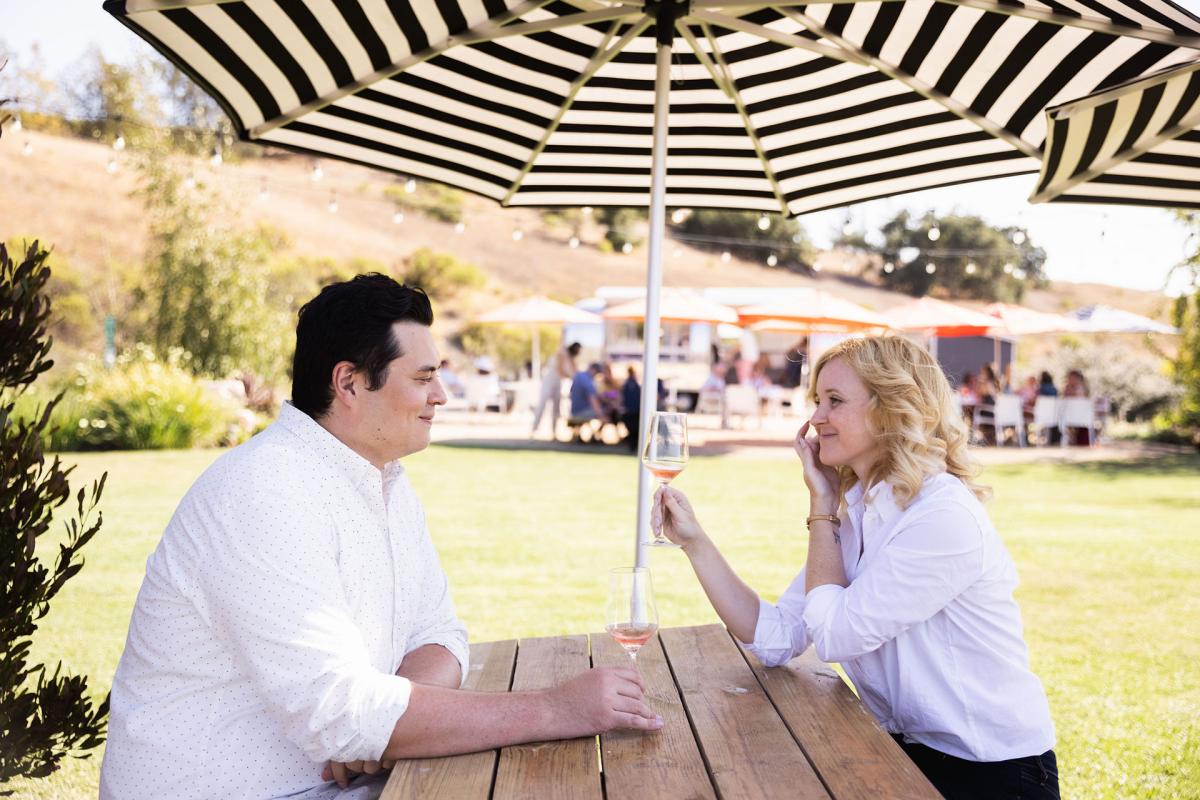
x=459 y=227
x=930 y=268
x=971 y=268
x=1018 y=237
x=1019 y=274
x=797 y=238
x=398 y=217
x=586 y=211
x=27 y=148
x=889 y=268
x=1008 y=268
x=816 y=267
x=16 y=126
x=677 y=253
x=726 y=256
x=772 y=260
x=679 y=215
x=190 y=181
x=518 y=235
x=317 y=172
x=410 y=185
x=627 y=248
x=333 y=203
x=934 y=233
x=764 y=222
x=216 y=159
x=118 y=143
x=112 y=166
x=263 y=193
x=573 y=243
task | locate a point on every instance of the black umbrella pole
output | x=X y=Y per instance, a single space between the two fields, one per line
x=666 y=14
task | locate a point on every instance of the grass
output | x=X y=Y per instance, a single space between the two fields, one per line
x=1108 y=555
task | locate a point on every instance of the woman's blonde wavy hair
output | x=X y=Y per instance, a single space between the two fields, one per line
x=911 y=410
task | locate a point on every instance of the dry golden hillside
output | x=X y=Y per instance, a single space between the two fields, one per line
x=63 y=194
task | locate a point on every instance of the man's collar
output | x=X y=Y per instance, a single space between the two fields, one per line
x=333 y=450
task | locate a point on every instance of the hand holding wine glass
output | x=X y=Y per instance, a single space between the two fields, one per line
x=666 y=454
x=631 y=618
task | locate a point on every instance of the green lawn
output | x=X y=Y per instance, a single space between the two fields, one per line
x=1109 y=556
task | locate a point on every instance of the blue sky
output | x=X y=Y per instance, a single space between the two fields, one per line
x=1123 y=246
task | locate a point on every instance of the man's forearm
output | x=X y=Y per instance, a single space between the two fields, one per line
x=432 y=664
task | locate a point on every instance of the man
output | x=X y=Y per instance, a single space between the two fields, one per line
x=294 y=624
x=560 y=368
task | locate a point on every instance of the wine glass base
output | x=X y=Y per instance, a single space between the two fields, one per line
x=662 y=543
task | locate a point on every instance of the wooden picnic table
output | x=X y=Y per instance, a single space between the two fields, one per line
x=732 y=729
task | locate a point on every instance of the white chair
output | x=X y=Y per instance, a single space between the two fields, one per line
x=1078 y=412
x=1008 y=414
x=482 y=391
x=709 y=401
x=742 y=401
x=1045 y=417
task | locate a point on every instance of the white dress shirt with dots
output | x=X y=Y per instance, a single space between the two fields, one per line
x=286 y=590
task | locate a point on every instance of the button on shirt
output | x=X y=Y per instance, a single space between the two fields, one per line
x=928 y=629
x=286 y=590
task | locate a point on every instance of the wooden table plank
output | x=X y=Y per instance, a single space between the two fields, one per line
x=565 y=770
x=854 y=756
x=749 y=751
x=469 y=776
x=651 y=766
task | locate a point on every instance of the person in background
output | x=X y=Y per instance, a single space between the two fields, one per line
x=585 y=399
x=906 y=584
x=560 y=368
x=1046 y=387
x=1076 y=385
x=1028 y=392
x=450 y=379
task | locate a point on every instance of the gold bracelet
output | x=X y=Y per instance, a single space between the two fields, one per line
x=827 y=517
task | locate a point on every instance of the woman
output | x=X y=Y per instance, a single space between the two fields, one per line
x=907 y=584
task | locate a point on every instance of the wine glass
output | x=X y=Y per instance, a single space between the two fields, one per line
x=631 y=617
x=666 y=454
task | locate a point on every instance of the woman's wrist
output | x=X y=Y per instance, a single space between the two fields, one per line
x=820 y=505
x=697 y=546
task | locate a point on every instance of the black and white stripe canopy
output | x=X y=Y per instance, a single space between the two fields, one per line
x=781 y=107
x=1134 y=144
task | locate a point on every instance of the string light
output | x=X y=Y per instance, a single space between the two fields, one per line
x=459 y=227
x=16 y=126
x=27 y=149
x=764 y=222
x=971 y=268
x=726 y=256
x=119 y=143
x=1008 y=268
x=772 y=260
x=573 y=243
x=1019 y=274
x=410 y=185
x=263 y=193
x=889 y=268
x=677 y=253
x=931 y=268
x=934 y=234
x=398 y=217
x=216 y=159
x=333 y=203
x=317 y=172
x=112 y=166
x=517 y=235
x=1018 y=237
x=816 y=267
x=679 y=215
x=586 y=211
x=190 y=181
x=627 y=248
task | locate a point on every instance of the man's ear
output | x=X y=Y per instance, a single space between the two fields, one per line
x=345 y=383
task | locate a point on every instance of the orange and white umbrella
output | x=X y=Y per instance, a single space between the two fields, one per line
x=537 y=311
x=815 y=311
x=939 y=318
x=1021 y=321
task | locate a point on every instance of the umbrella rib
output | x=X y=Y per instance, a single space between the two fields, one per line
x=736 y=97
x=604 y=14
x=789 y=39
x=918 y=86
x=603 y=55
x=258 y=131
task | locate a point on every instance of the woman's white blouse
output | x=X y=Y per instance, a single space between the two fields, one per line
x=928 y=629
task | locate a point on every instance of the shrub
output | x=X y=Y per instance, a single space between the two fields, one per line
x=142 y=403
x=45 y=716
x=511 y=346
x=441 y=275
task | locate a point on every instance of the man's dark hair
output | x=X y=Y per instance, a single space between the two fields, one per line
x=351 y=321
x=574 y=348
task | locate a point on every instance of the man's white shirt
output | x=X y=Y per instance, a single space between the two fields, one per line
x=292 y=580
x=928 y=629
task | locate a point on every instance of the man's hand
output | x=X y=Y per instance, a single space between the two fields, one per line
x=344 y=773
x=602 y=700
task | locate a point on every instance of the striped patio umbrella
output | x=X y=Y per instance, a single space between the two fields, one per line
x=1134 y=144
x=787 y=107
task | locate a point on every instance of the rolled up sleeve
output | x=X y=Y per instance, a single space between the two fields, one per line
x=438 y=622
x=916 y=574
x=273 y=596
x=779 y=634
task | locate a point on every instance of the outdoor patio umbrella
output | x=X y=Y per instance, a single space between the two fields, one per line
x=674 y=307
x=788 y=108
x=1021 y=321
x=1106 y=319
x=537 y=311
x=816 y=311
x=1135 y=143
x=937 y=319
